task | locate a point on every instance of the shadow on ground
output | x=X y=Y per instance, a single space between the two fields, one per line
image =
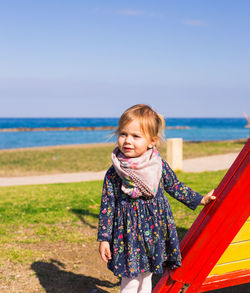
x=55 y=279
x=82 y=213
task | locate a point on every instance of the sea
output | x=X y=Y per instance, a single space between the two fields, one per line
x=198 y=129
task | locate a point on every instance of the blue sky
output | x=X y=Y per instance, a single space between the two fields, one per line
x=97 y=58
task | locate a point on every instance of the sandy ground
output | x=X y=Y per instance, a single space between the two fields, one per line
x=211 y=163
x=54 y=178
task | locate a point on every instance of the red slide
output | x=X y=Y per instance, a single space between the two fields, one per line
x=216 y=249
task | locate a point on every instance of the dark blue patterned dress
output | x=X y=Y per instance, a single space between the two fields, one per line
x=141 y=232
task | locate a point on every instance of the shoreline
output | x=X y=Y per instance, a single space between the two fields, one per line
x=73 y=128
x=106 y=144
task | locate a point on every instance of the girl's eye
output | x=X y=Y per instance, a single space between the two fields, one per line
x=122 y=134
x=136 y=136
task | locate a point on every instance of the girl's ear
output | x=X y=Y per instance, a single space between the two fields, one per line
x=153 y=142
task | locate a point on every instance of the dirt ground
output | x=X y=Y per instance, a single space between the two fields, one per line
x=63 y=267
x=66 y=268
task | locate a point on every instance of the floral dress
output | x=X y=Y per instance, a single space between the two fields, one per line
x=141 y=231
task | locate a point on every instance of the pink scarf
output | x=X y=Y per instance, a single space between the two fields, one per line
x=141 y=175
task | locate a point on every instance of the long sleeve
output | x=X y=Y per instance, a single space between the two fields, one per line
x=107 y=207
x=179 y=190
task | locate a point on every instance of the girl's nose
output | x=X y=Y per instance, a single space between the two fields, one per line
x=128 y=139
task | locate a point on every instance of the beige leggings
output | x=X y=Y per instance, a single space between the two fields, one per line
x=140 y=284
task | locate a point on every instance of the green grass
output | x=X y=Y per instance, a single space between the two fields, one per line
x=20 y=255
x=200 y=182
x=47 y=204
x=90 y=158
x=54 y=160
x=65 y=212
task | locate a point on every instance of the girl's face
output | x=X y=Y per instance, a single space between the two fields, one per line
x=132 y=142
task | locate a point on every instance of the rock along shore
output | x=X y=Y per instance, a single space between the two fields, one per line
x=73 y=128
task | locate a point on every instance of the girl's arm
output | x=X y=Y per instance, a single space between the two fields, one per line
x=107 y=207
x=179 y=190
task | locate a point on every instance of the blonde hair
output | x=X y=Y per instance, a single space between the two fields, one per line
x=152 y=124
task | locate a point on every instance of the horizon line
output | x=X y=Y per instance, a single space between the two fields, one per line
x=102 y=117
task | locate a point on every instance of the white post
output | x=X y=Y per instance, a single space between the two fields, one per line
x=175 y=153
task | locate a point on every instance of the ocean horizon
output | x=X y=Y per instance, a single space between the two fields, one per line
x=190 y=129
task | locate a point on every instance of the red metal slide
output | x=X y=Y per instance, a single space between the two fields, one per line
x=215 y=250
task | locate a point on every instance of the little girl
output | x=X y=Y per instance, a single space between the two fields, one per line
x=136 y=227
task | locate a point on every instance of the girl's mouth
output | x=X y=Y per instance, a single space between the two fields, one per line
x=127 y=149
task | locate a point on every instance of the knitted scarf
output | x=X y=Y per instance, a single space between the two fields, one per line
x=141 y=175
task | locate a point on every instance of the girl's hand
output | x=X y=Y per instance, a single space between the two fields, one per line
x=104 y=249
x=207 y=198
